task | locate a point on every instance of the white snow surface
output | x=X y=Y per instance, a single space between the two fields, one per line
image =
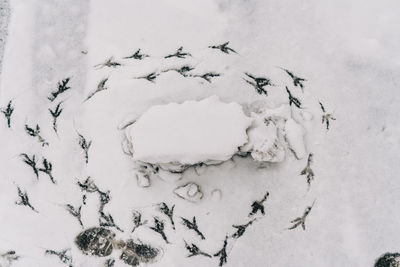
x=189 y=133
x=294 y=134
x=346 y=49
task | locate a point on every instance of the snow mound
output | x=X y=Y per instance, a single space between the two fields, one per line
x=264 y=143
x=167 y=139
x=189 y=133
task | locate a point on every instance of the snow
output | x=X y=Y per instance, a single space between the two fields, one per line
x=347 y=51
x=189 y=133
x=294 y=134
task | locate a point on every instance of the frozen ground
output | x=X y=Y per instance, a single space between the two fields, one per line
x=347 y=51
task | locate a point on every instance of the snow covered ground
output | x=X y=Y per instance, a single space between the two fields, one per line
x=347 y=51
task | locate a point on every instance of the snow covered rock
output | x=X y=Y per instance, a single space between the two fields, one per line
x=294 y=134
x=167 y=139
x=190 y=192
x=175 y=136
x=264 y=144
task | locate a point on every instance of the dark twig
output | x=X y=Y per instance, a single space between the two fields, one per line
x=192 y=225
x=159 y=228
x=47 y=168
x=258 y=205
x=62 y=255
x=85 y=145
x=100 y=87
x=55 y=114
x=137 y=55
x=179 y=54
x=195 y=251
x=24 y=199
x=169 y=212
x=76 y=212
x=35 y=132
x=222 y=253
x=241 y=229
x=308 y=171
x=31 y=162
x=62 y=86
x=223 y=47
x=326 y=116
x=292 y=99
x=301 y=220
x=8 y=112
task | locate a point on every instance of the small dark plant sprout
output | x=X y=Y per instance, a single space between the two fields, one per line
x=8 y=112
x=195 y=251
x=149 y=77
x=159 y=228
x=179 y=54
x=258 y=205
x=292 y=99
x=10 y=256
x=137 y=220
x=24 y=200
x=108 y=63
x=301 y=220
x=47 y=168
x=137 y=55
x=100 y=87
x=76 y=212
x=241 y=229
x=222 y=253
x=35 y=132
x=207 y=76
x=308 y=171
x=192 y=225
x=55 y=114
x=31 y=162
x=108 y=221
x=62 y=256
x=62 y=86
x=223 y=47
x=85 y=145
x=169 y=212
x=326 y=116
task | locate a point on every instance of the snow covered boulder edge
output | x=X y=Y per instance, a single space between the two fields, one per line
x=174 y=137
